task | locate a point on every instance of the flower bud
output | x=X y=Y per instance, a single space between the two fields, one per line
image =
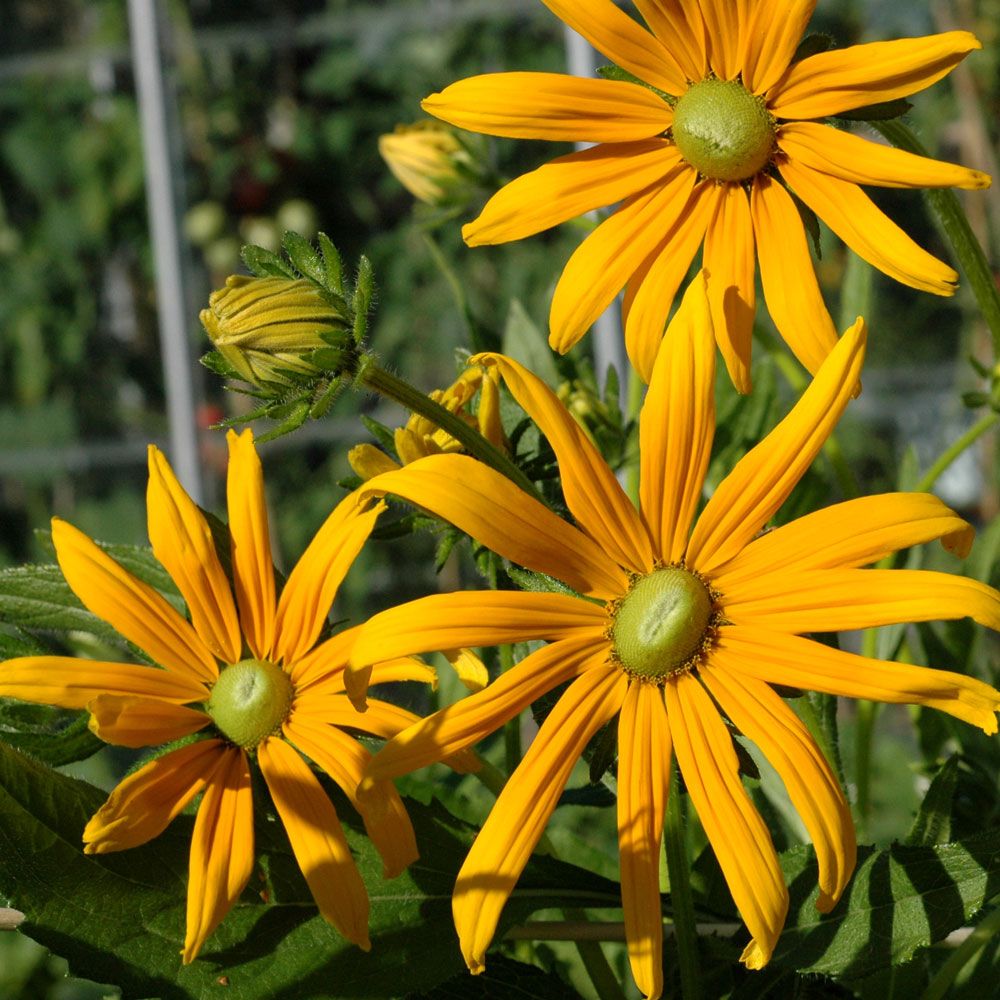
x=427 y=159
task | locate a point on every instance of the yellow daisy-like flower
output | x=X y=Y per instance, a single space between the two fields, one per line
x=248 y=666
x=680 y=620
x=704 y=159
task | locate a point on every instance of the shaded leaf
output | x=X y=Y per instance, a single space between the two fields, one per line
x=932 y=824
x=504 y=979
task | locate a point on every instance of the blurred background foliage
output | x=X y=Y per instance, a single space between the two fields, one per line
x=280 y=106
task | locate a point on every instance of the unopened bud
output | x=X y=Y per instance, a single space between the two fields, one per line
x=427 y=159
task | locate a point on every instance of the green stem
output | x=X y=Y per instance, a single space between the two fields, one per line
x=949 y=455
x=941 y=984
x=867 y=713
x=945 y=205
x=819 y=713
x=376 y=378
x=681 y=900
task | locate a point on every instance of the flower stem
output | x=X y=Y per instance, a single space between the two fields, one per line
x=681 y=900
x=952 y=452
x=373 y=376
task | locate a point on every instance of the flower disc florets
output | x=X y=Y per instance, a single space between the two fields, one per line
x=723 y=130
x=250 y=700
x=661 y=625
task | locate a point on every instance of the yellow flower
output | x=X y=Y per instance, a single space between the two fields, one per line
x=424 y=158
x=679 y=620
x=249 y=669
x=707 y=158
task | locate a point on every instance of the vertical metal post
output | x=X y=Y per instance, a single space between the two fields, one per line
x=608 y=341
x=161 y=167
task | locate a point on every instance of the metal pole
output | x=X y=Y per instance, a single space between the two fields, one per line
x=161 y=163
x=608 y=340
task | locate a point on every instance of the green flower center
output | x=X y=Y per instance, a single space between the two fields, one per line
x=661 y=623
x=250 y=700
x=723 y=130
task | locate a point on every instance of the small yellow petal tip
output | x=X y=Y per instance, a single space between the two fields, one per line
x=754 y=957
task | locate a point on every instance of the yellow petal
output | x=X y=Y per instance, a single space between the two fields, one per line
x=517 y=820
x=593 y=494
x=773 y=33
x=73 y=683
x=132 y=607
x=724 y=24
x=312 y=586
x=832 y=600
x=380 y=718
x=677 y=424
x=644 y=753
x=552 y=106
x=471 y=618
x=253 y=570
x=602 y=264
x=734 y=828
x=344 y=759
x=406 y=668
x=763 y=478
x=684 y=36
x=791 y=290
x=142 y=722
x=624 y=42
x=182 y=542
x=367 y=461
x=843 y=79
x=471 y=670
x=650 y=293
x=221 y=849
x=465 y=722
x=767 y=721
x=499 y=515
x=317 y=840
x=143 y=804
x=789 y=659
x=729 y=261
x=570 y=186
x=854 y=533
x=852 y=158
x=325 y=662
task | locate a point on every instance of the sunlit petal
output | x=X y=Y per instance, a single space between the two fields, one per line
x=684 y=36
x=142 y=722
x=725 y=21
x=774 y=30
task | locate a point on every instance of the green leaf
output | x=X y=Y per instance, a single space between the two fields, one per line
x=119 y=918
x=900 y=900
x=37 y=597
x=524 y=342
x=932 y=824
x=504 y=979
x=305 y=260
x=265 y=264
x=52 y=735
x=333 y=268
x=881 y=112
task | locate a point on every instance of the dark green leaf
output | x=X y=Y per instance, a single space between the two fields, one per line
x=37 y=597
x=52 y=735
x=881 y=112
x=218 y=365
x=265 y=264
x=504 y=979
x=305 y=260
x=382 y=434
x=812 y=45
x=932 y=824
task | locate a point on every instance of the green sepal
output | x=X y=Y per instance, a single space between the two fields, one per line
x=303 y=257
x=613 y=72
x=361 y=300
x=265 y=264
x=333 y=268
x=218 y=365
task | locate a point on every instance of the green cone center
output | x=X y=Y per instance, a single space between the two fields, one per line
x=723 y=130
x=250 y=700
x=661 y=623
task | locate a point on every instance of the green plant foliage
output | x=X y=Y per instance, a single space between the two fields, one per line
x=504 y=979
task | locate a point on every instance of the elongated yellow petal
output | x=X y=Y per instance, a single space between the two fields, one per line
x=677 y=424
x=312 y=586
x=379 y=718
x=570 y=186
x=132 y=607
x=832 y=600
x=253 y=570
x=774 y=30
x=325 y=662
x=871 y=234
x=844 y=79
x=221 y=849
x=503 y=846
x=465 y=722
x=367 y=461
x=729 y=261
x=790 y=659
x=602 y=264
x=783 y=739
x=650 y=293
x=470 y=669
x=763 y=478
x=344 y=759
x=144 y=803
x=724 y=22
x=592 y=493
x=142 y=722
x=850 y=534
x=791 y=290
x=683 y=36
x=73 y=683
x=498 y=514
x=611 y=31
x=644 y=753
x=551 y=106
x=317 y=840
x=470 y=618
x=182 y=542
x=735 y=830
x=860 y=161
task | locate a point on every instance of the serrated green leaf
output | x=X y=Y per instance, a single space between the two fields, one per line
x=52 y=735
x=37 y=597
x=932 y=824
x=504 y=979
x=303 y=257
x=265 y=264
x=119 y=918
x=900 y=899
